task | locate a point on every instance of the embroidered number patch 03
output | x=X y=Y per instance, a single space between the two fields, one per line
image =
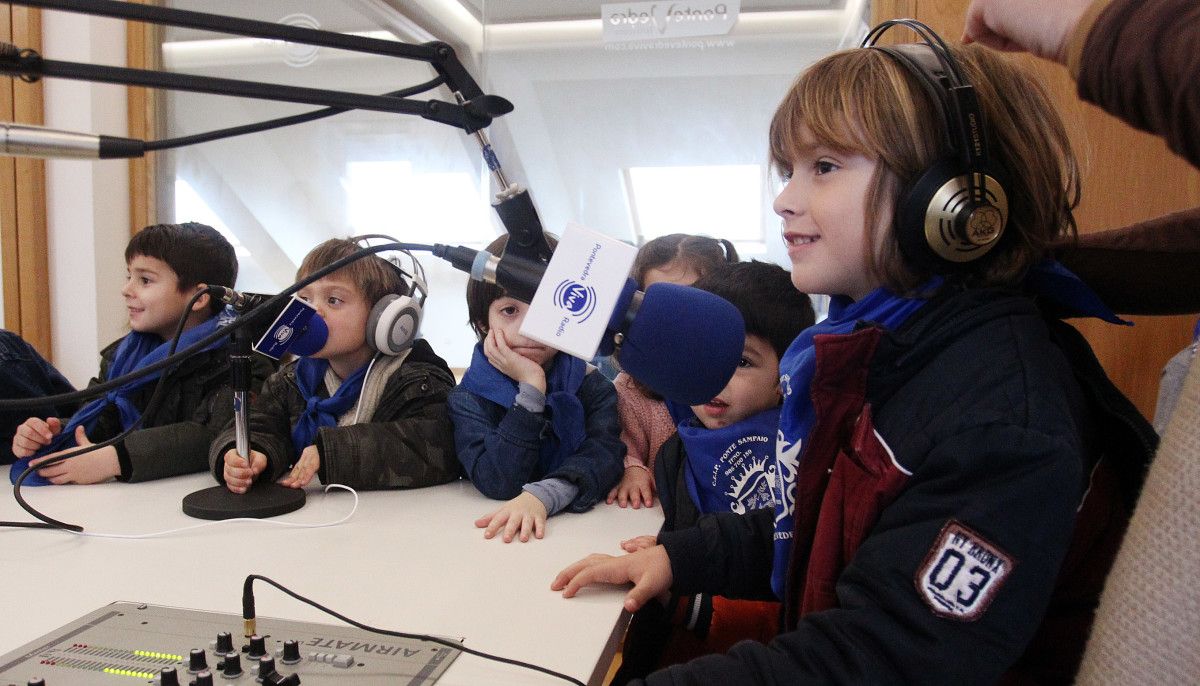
x=962 y=573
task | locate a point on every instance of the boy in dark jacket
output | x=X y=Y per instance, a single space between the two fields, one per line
x=167 y=265
x=534 y=427
x=720 y=460
x=351 y=413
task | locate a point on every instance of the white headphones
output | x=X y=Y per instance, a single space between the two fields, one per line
x=395 y=319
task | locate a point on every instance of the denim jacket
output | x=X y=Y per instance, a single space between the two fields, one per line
x=499 y=446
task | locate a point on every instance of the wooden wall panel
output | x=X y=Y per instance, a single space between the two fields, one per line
x=23 y=220
x=8 y=195
x=144 y=51
x=1128 y=176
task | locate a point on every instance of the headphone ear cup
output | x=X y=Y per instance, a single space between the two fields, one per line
x=939 y=225
x=393 y=324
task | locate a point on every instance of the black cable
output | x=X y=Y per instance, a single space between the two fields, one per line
x=248 y=615
x=151 y=406
x=168 y=143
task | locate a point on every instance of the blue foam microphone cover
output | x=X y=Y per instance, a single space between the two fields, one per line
x=297 y=328
x=311 y=339
x=684 y=343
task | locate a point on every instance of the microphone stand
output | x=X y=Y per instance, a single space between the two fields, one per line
x=239 y=370
x=262 y=499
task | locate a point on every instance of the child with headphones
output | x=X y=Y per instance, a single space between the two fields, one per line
x=533 y=426
x=367 y=410
x=645 y=423
x=946 y=500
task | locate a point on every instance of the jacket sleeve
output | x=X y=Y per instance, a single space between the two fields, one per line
x=270 y=425
x=598 y=463
x=205 y=406
x=1139 y=63
x=884 y=629
x=498 y=456
x=411 y=449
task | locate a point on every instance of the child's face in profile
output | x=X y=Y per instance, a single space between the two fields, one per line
x=506 y=314
x=823 y=206
x=344 y=307
x=754 y=387
x=153 y=297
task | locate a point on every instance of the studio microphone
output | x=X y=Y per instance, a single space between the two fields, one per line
x=682 y=342
x=26 y=140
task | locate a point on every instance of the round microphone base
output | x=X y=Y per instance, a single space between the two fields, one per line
x=260 y=502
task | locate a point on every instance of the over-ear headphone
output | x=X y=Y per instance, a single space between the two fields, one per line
x=956 y=211
x=395 y=319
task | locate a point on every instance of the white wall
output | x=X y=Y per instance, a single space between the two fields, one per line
x=87 y=201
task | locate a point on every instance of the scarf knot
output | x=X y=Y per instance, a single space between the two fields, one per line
x=321 y=411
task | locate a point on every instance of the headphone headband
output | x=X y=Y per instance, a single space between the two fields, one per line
x=416 y=280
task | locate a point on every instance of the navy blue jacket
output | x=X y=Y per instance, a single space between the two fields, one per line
x=499 y=446
x=27 y=375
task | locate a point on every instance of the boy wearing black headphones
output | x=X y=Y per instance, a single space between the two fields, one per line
x=368 y=409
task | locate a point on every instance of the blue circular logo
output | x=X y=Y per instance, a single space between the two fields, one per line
x=578 y=300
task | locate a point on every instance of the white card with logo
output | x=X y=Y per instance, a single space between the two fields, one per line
x=578 y=292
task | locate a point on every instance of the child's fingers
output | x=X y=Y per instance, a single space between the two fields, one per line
x=512 y=527
x=526 y=528
x=646 y=495
x=592 y=569
x=612 y=495
x=539 y=527
x=499 y=519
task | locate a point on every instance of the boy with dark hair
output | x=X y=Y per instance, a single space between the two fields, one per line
x=349 y=413
x=720 y=460
x=167 y=265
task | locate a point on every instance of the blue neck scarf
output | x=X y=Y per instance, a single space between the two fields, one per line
x=731 y=469
x=567 y=418
x=321 y=411
x=136 y=351
x=796 y=370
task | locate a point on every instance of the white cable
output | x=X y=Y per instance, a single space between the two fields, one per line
x=366 y=375
x=295 y=525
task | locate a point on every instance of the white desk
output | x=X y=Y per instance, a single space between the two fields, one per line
x=409 y=561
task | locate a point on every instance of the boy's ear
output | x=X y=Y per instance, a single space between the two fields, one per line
x=202 y=302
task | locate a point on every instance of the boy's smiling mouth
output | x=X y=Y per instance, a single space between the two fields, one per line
x=799 y=239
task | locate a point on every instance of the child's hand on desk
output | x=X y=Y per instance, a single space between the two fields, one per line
x=304 y=470
x=649 y=570
x=636 y=489
x=88 y=468
x=511 y=363
x=239 y=472
x=34 y=434
x=639 y=543
x=524 y=513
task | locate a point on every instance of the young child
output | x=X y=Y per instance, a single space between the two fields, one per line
x=942 y=494
x=347 y=414
x=167 y=265
x=721 y=460
x=677 y=258
x=532 y=426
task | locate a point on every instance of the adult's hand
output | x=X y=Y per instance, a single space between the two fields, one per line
x=1042 y=28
